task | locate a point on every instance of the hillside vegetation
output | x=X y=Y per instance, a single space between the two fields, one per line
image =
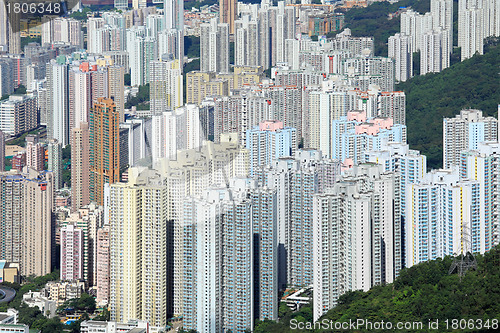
x=473 y=83
x=422 y=293
x=374 y=21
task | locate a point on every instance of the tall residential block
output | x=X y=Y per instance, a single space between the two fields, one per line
x=357 y=235
x=80 y=166
x=356 y=134
x=25 y=223
x=35 y=153
x=104 y=147
x=470 y=28
x=18 y=114
x=58 y=121
x=11 y=204
x=38 y=224
x=54 y=149
x=296 y=180
x=453 y=231
x=166 y=87
x=71 y=253
x=219 y=272
x=193 y=172
x=228 y=13
x=434 y=53
x=464 y=132
x=268 y=142
x=88 y=219
x=2 y=151
x=214 y=47
x=140 y=249
x=103 y=266
x=482 y=164
x=400 y=50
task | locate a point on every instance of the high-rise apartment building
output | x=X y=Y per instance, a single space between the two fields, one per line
x=172 y=42
x=397 y=157
x=464 y=132
x=265 y=249
x=214 y=47
x=58 y=101
x=54 y=149
x=175 y=130
x=191 y=174
x=357 y=235
x=442 y=18
x=2 y=151
x=365 y=66
x=18 y=114
x=219 y=270
x=268 y=142
x=80 y=166
x=104 y=148
x=434 y=53
x=116 y=84
x=400 y=50
x=228 y=13
x=142 y=51
x=35 y=153
x=247 y=41
x=88 y=219
x=414 y=25
x=174 y=14
x=470 y=27
x=11 y=204
x=38 y=227
x=481 y=164
x=443 y=213
x=80 y=94
x=121 y=4
x=140 y=249
x=348 y=138
x=296 y=180
x=103 y=265
x=166 y=87
x=71 y=253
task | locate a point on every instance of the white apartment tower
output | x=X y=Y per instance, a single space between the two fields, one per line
x=357 y=235
x=465 y=132
x=54 y=149
x=58 y=103
x=470 y=27
x=214 y=47
x=190 y=174
x=166 y=88
x=434 y=51
x=219 y=258
x=482 y=164
x=442 y=214
x=401 y=51
x=442 y=18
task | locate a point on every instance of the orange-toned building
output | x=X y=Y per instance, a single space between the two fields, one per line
x=104 y=147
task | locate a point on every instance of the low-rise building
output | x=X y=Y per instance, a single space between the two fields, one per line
x=9 y=272
x=41 y=301
x=14 y=328
x=60 y=292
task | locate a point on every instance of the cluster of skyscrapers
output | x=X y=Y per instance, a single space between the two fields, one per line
x=286 y=168
x=431 y=34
